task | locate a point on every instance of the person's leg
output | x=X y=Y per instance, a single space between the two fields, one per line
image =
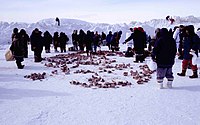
x=19 y=63
x=170 y=77
x=160 y=76
x=194 y=69
x=184 y=67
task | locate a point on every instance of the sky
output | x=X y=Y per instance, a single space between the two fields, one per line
x=96 y=11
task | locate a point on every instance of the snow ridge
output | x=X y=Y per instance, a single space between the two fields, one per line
x=68 y=25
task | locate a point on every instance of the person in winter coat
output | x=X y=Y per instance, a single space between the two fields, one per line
x=25 y=39
x=154 y=39
x=119 y=34
x=47 y=41
x=178 y=36
x=198 y=33
x=37 y=44
x=81 y=39
x=130 y=51
x=139 y=38
x=190 y=43
x=97 y=39
x=108 y=40
x=63 y=39
x=75 y=40
x=17 y=49
x=114 y=42
x=58 y=21
x=103 y=38
x=56 y=43
x=88 y=42
x=164 y=53
x=15 y=31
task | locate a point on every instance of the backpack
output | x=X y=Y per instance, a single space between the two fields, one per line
x=195 y=43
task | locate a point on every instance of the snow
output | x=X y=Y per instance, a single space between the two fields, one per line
x=55 y=101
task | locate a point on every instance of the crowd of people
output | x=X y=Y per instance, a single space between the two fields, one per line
x=163 y=46
x=38 y=41
x=183 y=40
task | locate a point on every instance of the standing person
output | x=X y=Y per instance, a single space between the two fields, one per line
x=15 y=32
x=114 y=42
x=164 y=53
x=88 y=43
x=139 y=38
x=56 y=41
x=75 y=40
x=25 y=39
x=178 y=36
x=81 y=39
x=153 y=39
x=37 y=44
x=119 y=34
x=47 y=41
x=58 y=20
x=103 y=38
x=129 y=51
x=97 y=39
x=17 y=49
x=190 y=43
x=108 y=40
x=63 y=39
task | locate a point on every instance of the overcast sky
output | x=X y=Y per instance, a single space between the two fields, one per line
x=97 y=11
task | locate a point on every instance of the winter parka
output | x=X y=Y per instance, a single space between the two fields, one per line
x=17 y=47
x=164 y=50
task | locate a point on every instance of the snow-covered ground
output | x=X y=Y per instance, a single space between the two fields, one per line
x=54 y=101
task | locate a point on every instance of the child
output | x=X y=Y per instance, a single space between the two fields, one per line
x=164 y=53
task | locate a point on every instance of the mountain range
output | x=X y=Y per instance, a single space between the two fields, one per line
x=68 y=25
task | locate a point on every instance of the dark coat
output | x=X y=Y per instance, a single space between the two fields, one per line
x=88 y=40
x=17 y=48
x=75 y=38
x=108 y=38
x=190 y=43
x=81 y=40
x=63 y=40
x=24 y=37
x=47 y=39
x=37 y=42
x=114 y=39
x=139 y=39
x=164 y=50
x=56 y=39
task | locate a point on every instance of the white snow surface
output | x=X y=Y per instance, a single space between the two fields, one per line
x=54 y=101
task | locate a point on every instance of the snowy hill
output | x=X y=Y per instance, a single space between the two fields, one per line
x=68 y=25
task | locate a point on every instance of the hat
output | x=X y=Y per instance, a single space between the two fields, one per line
x=141 y=29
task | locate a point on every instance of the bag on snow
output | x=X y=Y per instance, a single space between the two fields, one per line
x=9 y=56
x=152 y=65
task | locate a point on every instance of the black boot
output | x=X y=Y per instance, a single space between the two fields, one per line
x=19 y=65
x=136 y=59
x=182 y=73
x=141 y=58
x=194 y=74
x=37 y=59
